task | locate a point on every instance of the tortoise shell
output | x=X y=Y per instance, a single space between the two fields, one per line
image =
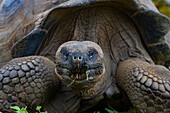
x=153 y=26
x=17 y=19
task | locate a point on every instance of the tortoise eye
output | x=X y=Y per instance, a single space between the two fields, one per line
x=92 y=54
x=64 y=53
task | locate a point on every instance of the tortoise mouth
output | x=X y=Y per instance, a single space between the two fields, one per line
x=88 y=74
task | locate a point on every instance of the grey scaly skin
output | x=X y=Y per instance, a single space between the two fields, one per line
x=27 y=81
x=147 y=85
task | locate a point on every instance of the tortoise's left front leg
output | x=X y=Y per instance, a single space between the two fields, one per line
x=27 y=81
x=146 y=85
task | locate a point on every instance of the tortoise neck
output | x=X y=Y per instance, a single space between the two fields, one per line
x=94 y=89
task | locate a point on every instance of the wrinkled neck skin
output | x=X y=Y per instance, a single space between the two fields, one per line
x=110 y=28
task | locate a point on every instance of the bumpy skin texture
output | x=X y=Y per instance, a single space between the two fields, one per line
x=27 y=81
x=147 y=85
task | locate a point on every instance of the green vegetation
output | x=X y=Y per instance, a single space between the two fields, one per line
x=18 y=110
x=87 y=76
x=38 y=108
x=23 y=110
x=110 y=111
x=163 y=7
x=97 y=112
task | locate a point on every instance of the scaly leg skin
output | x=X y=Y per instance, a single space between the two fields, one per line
x=146 y=85
x=27 y=81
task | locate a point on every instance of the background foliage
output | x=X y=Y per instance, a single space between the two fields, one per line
x=163 y=6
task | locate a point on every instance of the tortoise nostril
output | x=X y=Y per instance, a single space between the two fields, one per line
x=79 y=58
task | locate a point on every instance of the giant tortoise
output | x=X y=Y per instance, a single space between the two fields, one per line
x=73 y=55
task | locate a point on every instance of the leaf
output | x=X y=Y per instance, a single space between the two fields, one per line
x=15 y=108
x=44 y=112
x=87 y=76
x=38 y=108
x=18 y=111
x=110 y=111
x=24 y=110
x=114 y=111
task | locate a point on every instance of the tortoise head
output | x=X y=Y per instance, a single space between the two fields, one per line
x=80 y=65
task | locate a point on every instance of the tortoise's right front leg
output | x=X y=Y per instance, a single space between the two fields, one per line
x=146 y=85
x=27 y=81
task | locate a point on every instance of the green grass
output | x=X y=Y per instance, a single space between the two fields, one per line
x=38 y=108
x=23 y=110
x=108 y=110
